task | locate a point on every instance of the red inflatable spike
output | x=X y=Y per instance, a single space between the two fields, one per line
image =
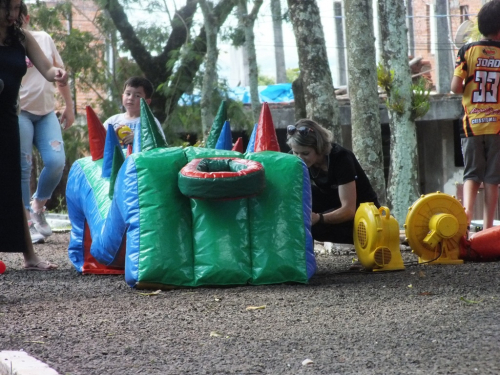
x=483 y=246
x=238 y=146
x=97 y=134
x=129 y=150
x=265 y=138
x=90 y=264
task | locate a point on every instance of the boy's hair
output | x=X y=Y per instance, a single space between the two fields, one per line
x=136 y=82
x=488 y=18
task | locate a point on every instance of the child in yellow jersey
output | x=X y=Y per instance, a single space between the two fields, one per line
x=477 y=77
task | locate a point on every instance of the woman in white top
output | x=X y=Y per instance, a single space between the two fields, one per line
x=39 y=126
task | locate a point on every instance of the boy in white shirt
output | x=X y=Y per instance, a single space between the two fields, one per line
x=134 y=89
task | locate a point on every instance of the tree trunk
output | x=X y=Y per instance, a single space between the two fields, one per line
x=248 y=21
x=363 y=92
x=444 y=51
x=210 y=75
x=319 y=93
x=300 y=101
x=402 y=188
x=158 y=69
x=279 y=51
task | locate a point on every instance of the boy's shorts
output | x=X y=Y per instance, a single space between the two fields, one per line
x=482 y=158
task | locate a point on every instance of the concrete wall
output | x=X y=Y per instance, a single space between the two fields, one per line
x=438 y=152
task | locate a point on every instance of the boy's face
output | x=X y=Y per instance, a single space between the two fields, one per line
x=131 y=100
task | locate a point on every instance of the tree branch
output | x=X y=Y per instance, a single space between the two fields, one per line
x=255 y=10
x=190 y=64
x=181 y=24
x=140 y=54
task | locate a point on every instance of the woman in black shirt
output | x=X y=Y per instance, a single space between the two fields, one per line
x=338 y=183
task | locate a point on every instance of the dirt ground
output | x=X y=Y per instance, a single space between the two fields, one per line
x=424 y=320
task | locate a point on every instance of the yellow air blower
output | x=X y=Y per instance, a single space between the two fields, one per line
x=376 y=239
x=434 y=225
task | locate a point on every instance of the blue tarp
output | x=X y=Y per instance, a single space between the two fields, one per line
x=280 y=93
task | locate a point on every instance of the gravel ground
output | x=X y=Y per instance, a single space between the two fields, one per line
x=425 y=320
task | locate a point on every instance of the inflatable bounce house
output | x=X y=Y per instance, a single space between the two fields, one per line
x=186 y=217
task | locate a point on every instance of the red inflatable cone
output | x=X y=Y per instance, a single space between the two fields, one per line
x=90 y=264
x=265 y=138
x=238 y=146
x=129 y=150
x=97 y=134
x=483 y=246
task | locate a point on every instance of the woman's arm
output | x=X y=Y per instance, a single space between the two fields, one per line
x=38 y=58
x=346 y=212
x=68 y=116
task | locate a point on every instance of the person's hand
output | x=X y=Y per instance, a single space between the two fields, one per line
x=61 y=77
x=67 y=118
x=125 y=136
x=128 y=139
x=314 y=218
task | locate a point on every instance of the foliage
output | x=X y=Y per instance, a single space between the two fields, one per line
x=475 y=34
x=420 y=102
x=60 y=207
x=384 y=77
x=49 y=19
x=292 y=74
x=235 y=35
x=266 y=80
x=152 y=37
x=76 y=143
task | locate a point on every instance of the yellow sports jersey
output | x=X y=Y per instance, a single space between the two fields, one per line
x=478 y=64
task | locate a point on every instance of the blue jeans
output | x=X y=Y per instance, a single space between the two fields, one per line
x=45 y=133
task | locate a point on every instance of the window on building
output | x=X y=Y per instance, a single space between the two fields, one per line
x=432 y=29
x=428 y=25
x=464 y=13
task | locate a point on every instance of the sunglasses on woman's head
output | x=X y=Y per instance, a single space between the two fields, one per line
x=303 y=130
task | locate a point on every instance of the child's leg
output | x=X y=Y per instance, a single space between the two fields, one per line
x=491 y=178
x=26 y=131
x=474 y=151
x=471 y=188
x=490 y=204
x=48 y=140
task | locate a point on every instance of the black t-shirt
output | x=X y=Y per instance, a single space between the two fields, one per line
x=343 y=167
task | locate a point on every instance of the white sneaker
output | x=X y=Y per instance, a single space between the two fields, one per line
x=36 y=237
x=41 y=224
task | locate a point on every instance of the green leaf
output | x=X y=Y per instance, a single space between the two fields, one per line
x=469 y=301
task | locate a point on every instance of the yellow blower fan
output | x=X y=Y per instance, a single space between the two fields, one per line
x=434 y=226
x=376 y=239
